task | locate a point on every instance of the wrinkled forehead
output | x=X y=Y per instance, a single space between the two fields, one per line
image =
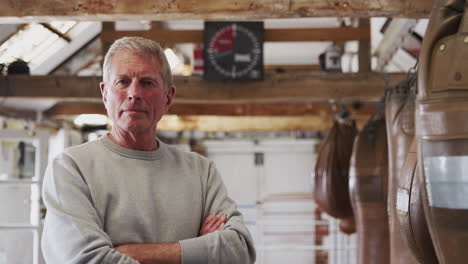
x=127 y=62
x=124 y=55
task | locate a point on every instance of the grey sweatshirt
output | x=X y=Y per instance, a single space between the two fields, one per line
x=100 y=195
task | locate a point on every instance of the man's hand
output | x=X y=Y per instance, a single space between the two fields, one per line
x=213 y=223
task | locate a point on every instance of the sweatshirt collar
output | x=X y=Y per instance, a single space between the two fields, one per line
x=131 y=153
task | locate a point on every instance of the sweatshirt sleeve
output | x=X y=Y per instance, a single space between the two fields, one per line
x=73 y=231
x=233 y=244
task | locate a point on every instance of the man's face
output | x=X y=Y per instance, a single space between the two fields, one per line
x=134 y=93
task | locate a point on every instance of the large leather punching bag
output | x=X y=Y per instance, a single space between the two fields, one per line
x=399 y=135
x=442 y=129
x=410 y=207
x=409 y=204
x=368 y=189
x=330 y=180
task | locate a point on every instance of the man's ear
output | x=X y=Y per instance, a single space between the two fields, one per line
x=170 y=97
x=103 y=92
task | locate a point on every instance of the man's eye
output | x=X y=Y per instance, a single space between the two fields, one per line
x=122 y=82
x=148 y=83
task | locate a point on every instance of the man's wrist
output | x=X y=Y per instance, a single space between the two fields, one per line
x=163 y=253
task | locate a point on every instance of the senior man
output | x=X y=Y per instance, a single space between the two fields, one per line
x=130 y=198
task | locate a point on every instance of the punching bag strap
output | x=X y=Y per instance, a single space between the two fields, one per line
x=412 y=77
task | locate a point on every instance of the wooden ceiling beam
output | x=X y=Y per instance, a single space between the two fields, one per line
x=292 y=87
x=110 y=10
x=292 y=67
x=19 y=114
x=364 y=52
x=317 y=34
x=250 y=123
x=56 y=32
x=271 y=35
x=75 y=108
x=318 y=109
x=233 y=117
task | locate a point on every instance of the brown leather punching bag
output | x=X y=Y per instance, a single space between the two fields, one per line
x=400 y=133
x=330 y=180
x=442 y=129
x=410 y=208
x=410 y=211
x=368 y=189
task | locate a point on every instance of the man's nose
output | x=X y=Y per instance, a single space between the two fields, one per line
x=134 y=92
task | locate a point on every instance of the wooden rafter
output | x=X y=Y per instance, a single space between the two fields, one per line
x=271 y=35
x=105 y=10
x=56 y=32
x=13 y=113
x=292 y=67
x=297 y=87
x=233 y=117
x=365 y=49
x=318 y=109
x=250 y=123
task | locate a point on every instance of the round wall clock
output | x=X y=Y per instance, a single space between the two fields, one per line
x=233 y=51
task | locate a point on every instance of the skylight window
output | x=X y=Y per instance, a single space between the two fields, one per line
x=63 y=26
x=33 y=41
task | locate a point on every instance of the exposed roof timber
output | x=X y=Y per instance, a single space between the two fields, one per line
x=271 y=35
x=56 y=32
x=364 y=51
x=65 y=109
x=251 y=123
x=294 y=87
x=233 y=117
x=320 y=109
x=110 y=10
x=12 y=113
x=292 y=67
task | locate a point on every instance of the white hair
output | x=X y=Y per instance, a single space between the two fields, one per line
x=140 y=45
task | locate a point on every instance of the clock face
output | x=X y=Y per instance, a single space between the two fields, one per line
x=233 y=51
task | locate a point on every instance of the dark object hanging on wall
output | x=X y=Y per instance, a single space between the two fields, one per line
x=18 y=67
x=330 y=180
x=411 y=213
x=442 y=131
x=399 y=112
x=410 y=231
x=368 y=190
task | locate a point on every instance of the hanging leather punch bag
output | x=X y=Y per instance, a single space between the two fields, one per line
x=399 y=139
x=410 y=208
x=331 y=175
x=412 y=224
x=442 y=129
x=368 y=189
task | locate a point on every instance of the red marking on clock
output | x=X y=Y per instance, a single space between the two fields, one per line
x=224 y=40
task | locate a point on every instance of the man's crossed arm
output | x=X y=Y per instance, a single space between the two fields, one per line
x=168 y=253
